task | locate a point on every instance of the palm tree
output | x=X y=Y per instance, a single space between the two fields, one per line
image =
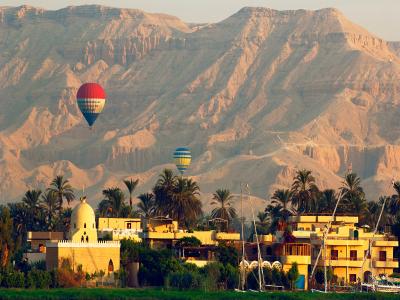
x=163 y=191
x=223 y=198
x=284 y=198
x=50 y=206
x=62 y=189
x=262 y=223
x=274 y=213
x=31 y=201
x=371 y=217
x=146 y=205
x=185 y=206
x=352 y=193
x=328 y=197
x=304 y=190
x=114 y=201
x=131 y=185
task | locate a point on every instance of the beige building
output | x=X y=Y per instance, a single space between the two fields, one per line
x=83 y=248
x=120 y=228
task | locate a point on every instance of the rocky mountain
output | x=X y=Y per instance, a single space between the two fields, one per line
x=255 y=96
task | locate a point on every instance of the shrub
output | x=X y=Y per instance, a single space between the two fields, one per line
x=293 y=274
x=227 y=254
x=14 y=279
x=231 y=275
x=38 y=279
x=212 y=275
x=185 y=280
x=188 y=241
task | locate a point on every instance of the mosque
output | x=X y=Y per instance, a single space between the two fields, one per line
x=82 y=249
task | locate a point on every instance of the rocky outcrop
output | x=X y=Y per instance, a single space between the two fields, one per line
x=255 y=96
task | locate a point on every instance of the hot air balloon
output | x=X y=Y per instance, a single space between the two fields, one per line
x=91 y=99
x=182 y=157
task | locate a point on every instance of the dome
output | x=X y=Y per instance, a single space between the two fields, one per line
x=83 y=219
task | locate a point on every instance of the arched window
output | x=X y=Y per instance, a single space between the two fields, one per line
x=87 y=239
x=356 y=234
x=84 y=225
x=110 y=266
x=82 y=239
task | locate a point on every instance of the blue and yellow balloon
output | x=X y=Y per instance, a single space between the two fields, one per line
x=182 y=158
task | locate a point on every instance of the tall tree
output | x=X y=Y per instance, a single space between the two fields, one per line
x=163 y=192
x=353 y=196
x=328 y=197
x=114 y=201
x=304 y=190
x=62 y=189
x=185 y=206
x=31 y=201
x=6 y=240
x=131 y=185
x=146 y=205
x=284 y=198
x=51 y=207
x=224 y=210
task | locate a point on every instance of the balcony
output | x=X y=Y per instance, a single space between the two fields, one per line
x=390 y=242
x=227 y=236
x=340 y=262
x=158 y=235
x=388 y=263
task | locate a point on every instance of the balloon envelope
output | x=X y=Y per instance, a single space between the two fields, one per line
x=91 y=99
x=182 y=157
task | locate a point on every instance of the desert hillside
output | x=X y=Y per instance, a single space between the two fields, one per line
x=254 y=96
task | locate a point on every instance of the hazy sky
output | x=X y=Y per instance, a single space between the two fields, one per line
x=381 y=17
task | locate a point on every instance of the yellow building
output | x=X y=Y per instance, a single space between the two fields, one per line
x=83 y=249
x=346 y=246
x=164 y=233
x=120 y=228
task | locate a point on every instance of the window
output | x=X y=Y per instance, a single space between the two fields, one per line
x=128 y=225
x=87 y=239
x=334 y=254
x=353 y=278
x=84 y=225
x=369 y=254
x=353 y=254
x=110 y=266
x=382 y=255
x=356 y=234
x=82 y=239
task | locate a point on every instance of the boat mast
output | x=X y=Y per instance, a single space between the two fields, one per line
x=242 y=269
x=260 y=271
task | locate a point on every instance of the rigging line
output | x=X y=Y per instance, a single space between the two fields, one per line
x=327 y=228
x=260 y=270
x=375 y=230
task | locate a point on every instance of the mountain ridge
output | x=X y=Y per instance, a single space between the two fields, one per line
x=255 y=96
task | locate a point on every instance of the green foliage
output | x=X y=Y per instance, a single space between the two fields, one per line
x=14 y=279
x=188 y=241
x=293 y=274
x=227 y=254
x=6 y=240
x=130 y=251
x=38 y=279
x=156 y=265
x=185 y=280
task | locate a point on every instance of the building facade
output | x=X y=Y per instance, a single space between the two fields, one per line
x=82 y=249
